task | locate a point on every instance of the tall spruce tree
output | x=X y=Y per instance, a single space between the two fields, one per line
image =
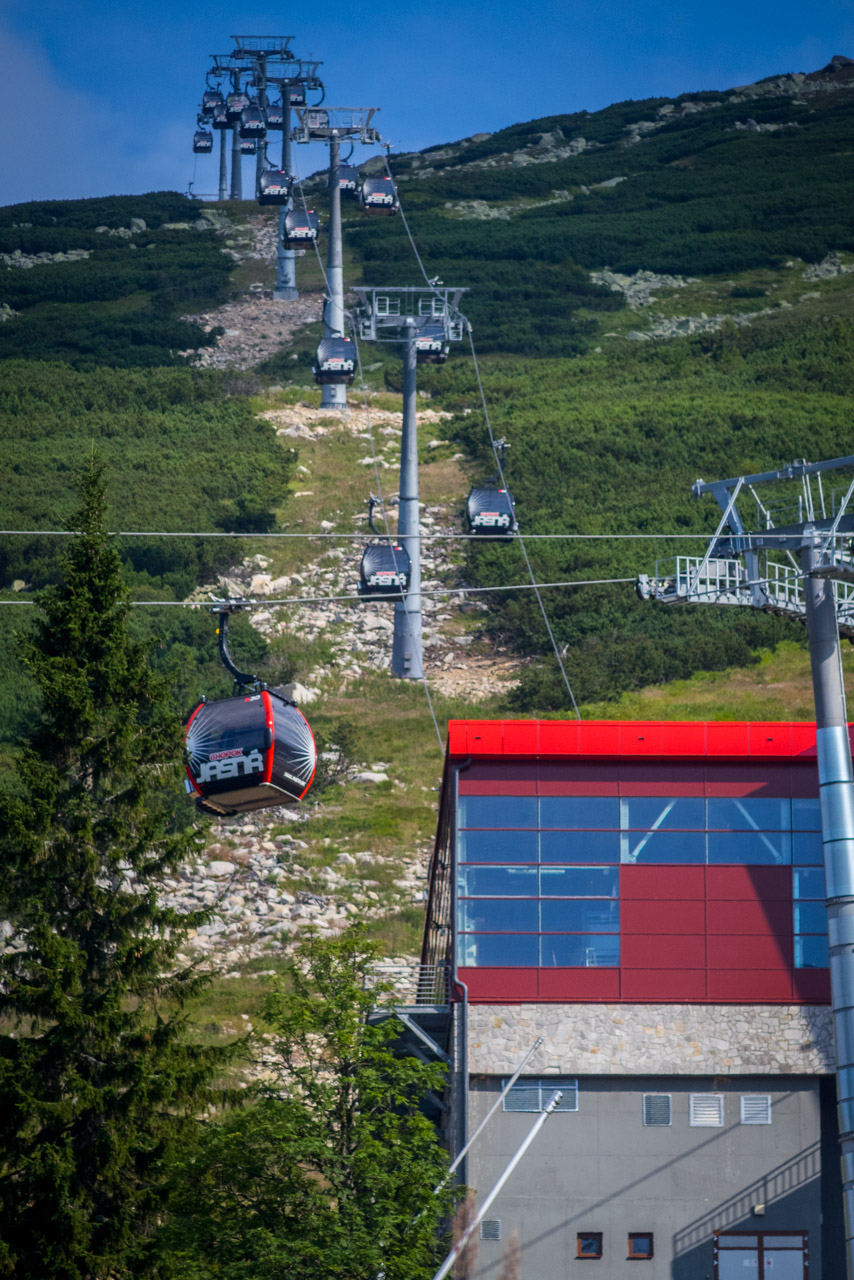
x=97 y=1079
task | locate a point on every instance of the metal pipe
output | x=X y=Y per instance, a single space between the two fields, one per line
x=236 y=157
x=463 y=1048
x=334 y=396
x=494 y=1193
x=261 y=85
x=223 y=165
x=836 y=789
x=407 y=654
x=286 y=277
x=490 y=1113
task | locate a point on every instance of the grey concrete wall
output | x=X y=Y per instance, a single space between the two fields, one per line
x=601 y=1169
x=671 y=1039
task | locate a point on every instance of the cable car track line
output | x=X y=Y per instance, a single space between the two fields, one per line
x=356 y=536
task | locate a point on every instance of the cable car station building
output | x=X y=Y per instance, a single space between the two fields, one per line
x=649 y=899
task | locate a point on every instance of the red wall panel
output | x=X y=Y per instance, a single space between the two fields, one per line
x=662 y=883
x=644 y=917
x=664 y=985
x=521 y=737
x=485 y=737
x=803 y=741
x=743 y=985
x=558 y=737
x=683 y=738
x=774 y=917
x=599 y=738
x=744 y=951
x=457 y=741
x=579 y=984
x=769 y=739
x=500 y=984
x=640 y=738
x=726 y=738
x=673 y=952
x=748 y=884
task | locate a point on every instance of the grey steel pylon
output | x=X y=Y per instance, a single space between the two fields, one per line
x=803 y=570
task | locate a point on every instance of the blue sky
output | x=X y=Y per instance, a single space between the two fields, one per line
x=108 y=91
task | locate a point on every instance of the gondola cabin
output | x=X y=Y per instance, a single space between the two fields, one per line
x=384 y=571
x=248 y=147
x=274 y=187
x=296 y=95
x=248 y=752
x=253 y=122
x=275 y=115
x=202 y=142
x=336 y=362
x=301 y=228
x=235 y=105
x=431 y=347
x=379 y=195
x=491 y=512
x=348 y=180
x=219 y=117
x=211 y=99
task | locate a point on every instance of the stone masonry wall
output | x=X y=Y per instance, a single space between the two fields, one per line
x=647 y=1039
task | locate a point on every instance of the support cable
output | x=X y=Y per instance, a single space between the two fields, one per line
x=431 y=284
x=425 y=537
x=263 y=603
x=519 y=537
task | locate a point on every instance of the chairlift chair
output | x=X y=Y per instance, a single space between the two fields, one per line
x=248 y=146
x=235 y=104
x=301 y=228
x=253 y=121
x=250 y=751
x=274 y=187
x=336 y=362
x=348 y=180
x=385 y=570
x=431 y=347
x=379 y=195
x=202 y=142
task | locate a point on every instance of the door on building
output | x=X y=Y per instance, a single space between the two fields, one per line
x=761 y=1255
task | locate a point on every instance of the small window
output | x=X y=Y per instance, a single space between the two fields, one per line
x=707 y=1110
x=640 y=1244
x=589 y=1244
x=756 y=1108
x=490 y=1229
x=533 y=1095
x=656 y=1108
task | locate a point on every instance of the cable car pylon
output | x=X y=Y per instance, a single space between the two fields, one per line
x=400 y=315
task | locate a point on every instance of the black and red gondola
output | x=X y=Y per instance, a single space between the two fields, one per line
x=248 y=146
x=274 y=187
x=300 y=229
x=336 y=362
x=431 y=346
x=251 y=751
x=275 y=115
x=211 y=99
x=202 y=142
x=253 y=122
x=379 y=195
x=235 y=104
x=385 y=570
x=219 y=117
x=348 y=180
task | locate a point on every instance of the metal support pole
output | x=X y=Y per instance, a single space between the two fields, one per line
x=236 y=157
x=836 y=788
x=490 y=1113
x=407 y=654
x=223 y=165
x=487 y=1204
x=261 y=154
x=286 y=277
x=334 y=396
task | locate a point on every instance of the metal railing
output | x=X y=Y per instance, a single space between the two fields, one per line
x=415 y=984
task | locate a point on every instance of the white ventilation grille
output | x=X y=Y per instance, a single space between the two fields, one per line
x=656 y=1108
x=490 y=1229
x=707 y=1110
x=756 y=1108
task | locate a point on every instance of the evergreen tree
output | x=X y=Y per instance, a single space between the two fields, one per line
x=330 y=1174
x=96 y=1078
